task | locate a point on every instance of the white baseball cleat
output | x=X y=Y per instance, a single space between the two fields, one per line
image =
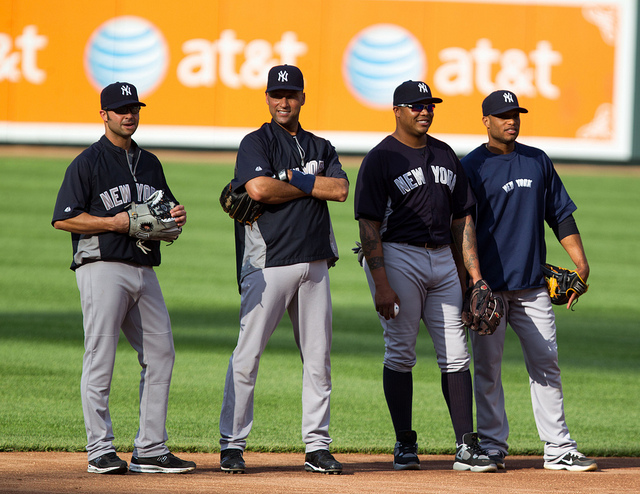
x=574 y=461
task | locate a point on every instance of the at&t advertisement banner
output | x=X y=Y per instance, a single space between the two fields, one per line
x=200 y=66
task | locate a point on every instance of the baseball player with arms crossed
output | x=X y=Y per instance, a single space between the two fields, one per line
x=412 y=200
x=282 y=265
x=118 y=286
x=517 y=190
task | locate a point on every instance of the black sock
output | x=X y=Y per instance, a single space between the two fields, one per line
x=398 y=391
x=458 y=393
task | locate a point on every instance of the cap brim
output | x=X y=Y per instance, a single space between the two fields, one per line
x=426 y=101
x=505 y=109
x=289 y=88
x=125 y=103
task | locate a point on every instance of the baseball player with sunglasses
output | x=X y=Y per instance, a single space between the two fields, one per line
x=412 y=202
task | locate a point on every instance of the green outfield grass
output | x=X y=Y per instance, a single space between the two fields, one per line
x=41 y=331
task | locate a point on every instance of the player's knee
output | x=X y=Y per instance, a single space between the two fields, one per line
x=546 y=373
x=166 y=359
x=460 y=364
x=399 y=364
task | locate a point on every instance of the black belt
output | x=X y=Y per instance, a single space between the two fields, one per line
x=425 y=245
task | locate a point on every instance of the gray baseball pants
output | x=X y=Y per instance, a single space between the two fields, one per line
x=116 y=295
x=427 y=283
x=302 y=290
x=530 y=314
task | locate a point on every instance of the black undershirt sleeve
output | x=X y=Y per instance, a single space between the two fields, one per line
x=565 y=228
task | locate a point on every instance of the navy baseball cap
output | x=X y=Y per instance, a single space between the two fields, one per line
x=500 y=102
x=285 y=77
x=119 y=94
x=413 y=92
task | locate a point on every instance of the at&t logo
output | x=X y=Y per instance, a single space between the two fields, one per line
x=127 y=48
x=378 y=59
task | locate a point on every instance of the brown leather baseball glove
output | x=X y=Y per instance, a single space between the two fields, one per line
x=240 y=206
x=481 y=311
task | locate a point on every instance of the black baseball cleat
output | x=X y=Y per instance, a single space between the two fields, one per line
x=574 y=461
x=405 y=453
x=107 y=463
x=321 y=461
x=167 y=463
x=231 y=461
x=471 y=457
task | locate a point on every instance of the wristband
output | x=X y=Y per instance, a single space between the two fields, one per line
x=302 y=181
x=283 y=176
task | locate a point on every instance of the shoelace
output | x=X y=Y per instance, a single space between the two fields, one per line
x=476 y=449
x=407 y=449
x=573 y=456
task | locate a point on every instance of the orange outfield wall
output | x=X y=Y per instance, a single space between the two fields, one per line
x=204 y=63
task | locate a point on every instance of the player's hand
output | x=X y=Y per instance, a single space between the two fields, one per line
x=179 y=214
x=121 y=222
x=385 y=300
x=584 y=274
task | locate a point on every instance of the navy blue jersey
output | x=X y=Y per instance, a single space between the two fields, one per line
x=413 y=193
x=295 y=231
x=99 y=182
x=516 y=194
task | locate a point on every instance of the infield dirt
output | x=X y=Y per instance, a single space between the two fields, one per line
x=273 y=473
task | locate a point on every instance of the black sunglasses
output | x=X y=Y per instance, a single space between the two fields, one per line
x=418 y=107
x=124 y=110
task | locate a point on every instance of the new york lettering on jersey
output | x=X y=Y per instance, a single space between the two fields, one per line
x=419 y=188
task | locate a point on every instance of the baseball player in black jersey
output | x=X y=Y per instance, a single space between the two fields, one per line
x=118 y=286
x=283 y=259
x=412 y=201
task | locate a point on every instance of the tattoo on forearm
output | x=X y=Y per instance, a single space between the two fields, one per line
x=464 y=236
x=369 y=237
x=375 y=263
x=369 y=245
x=469 y=249
x=370 y=240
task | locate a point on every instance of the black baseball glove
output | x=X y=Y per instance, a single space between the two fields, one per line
x=561 y=282
x=240 y=206
x=481 y=311
x=151 y=220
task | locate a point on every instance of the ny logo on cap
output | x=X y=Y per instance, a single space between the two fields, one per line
x=126 y=90
x=508 y=97
x=283 y=76
x=423 y=88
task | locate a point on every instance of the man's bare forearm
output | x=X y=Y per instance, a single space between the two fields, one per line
x=88 y=224
x=272 y=191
